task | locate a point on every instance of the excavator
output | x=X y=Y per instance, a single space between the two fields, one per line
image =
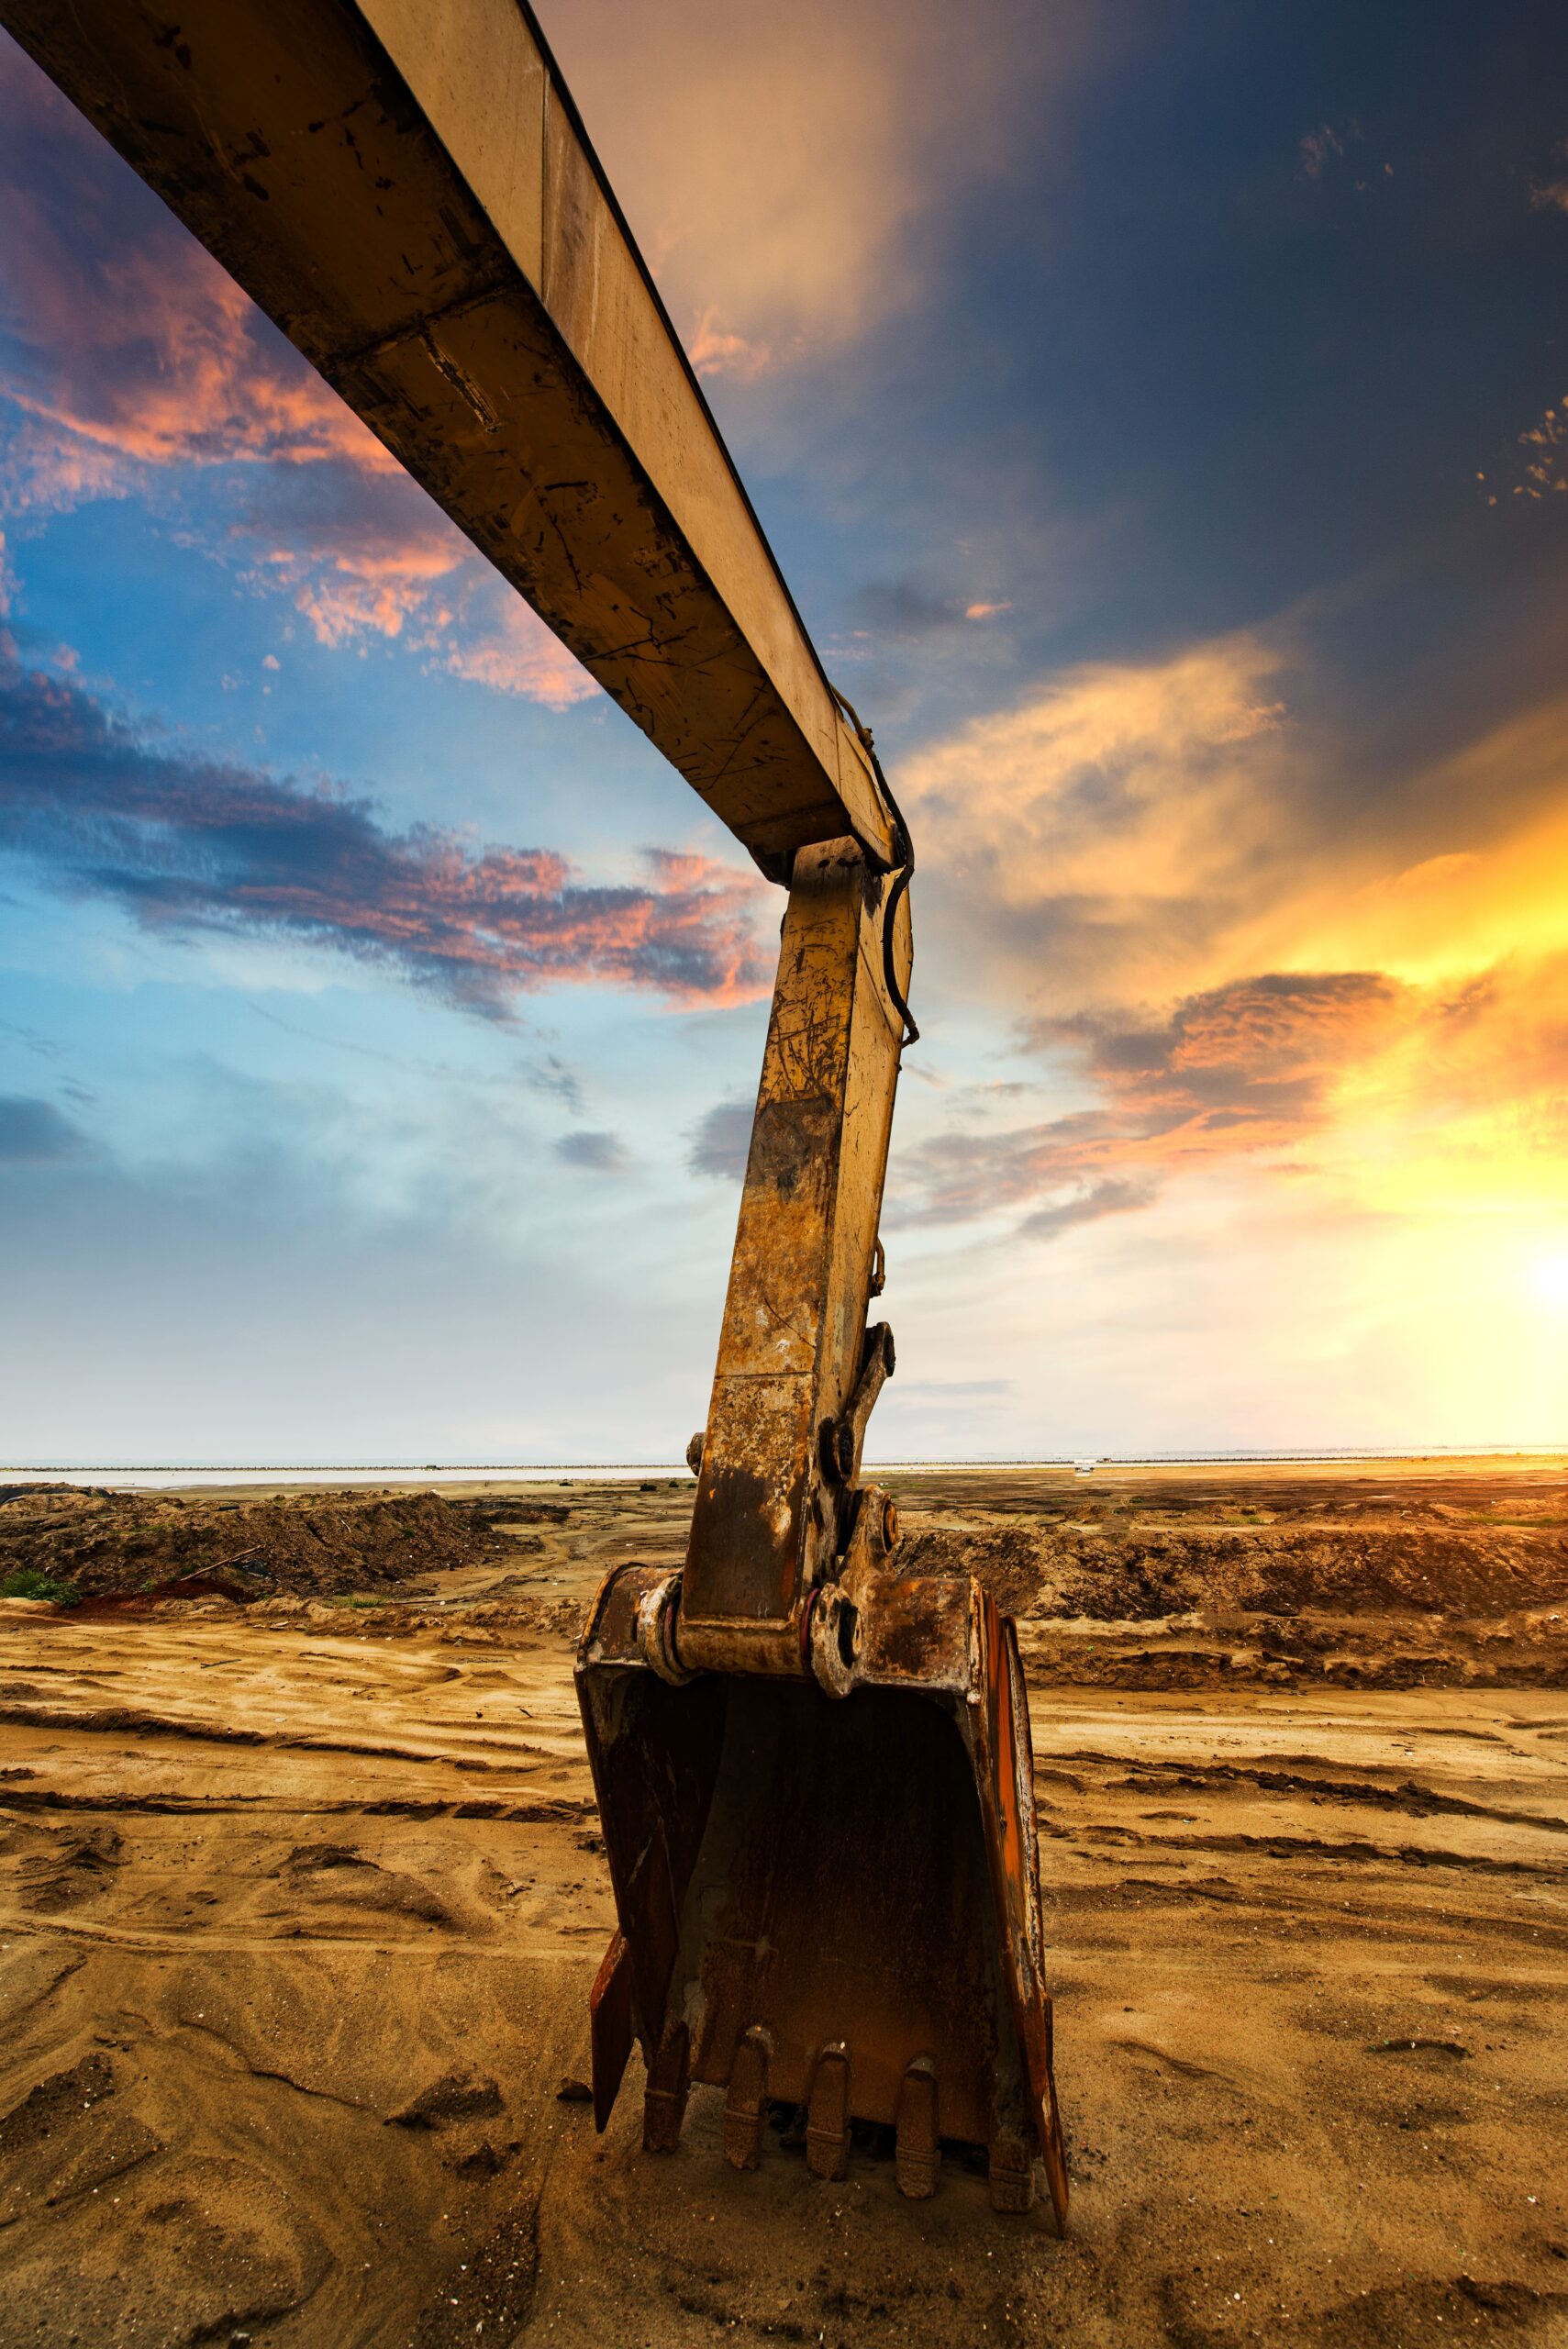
x=813 y=1771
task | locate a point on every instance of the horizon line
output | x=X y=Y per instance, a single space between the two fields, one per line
x=1193 y=1457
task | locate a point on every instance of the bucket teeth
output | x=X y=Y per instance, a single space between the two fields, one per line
x=746 y=2104
x=665 y=2099
x=918 y=2156
x=828 y=2116
x=1012 y=2175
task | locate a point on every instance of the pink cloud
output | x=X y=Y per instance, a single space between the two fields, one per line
x=519 y=655
x=714 y=351
x=185 y=844
x=126 y=354
x=129 y=346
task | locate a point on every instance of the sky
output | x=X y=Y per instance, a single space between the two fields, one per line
x=1161 y=417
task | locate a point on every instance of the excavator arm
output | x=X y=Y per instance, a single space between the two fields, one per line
x=813 y=1774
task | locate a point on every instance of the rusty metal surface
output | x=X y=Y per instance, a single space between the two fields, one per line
x=611 y=2026
x=849 y=1878
x=767 y=1519
x=405 y=187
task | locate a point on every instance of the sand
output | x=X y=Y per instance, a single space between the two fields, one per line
x=299 y=1905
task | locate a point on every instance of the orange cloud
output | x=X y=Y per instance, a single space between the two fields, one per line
x=1467 y=872
x=786 y=171
x=1232 y=968
x=715 y=351
x=1239 y=1070
x=1104 y=834
x=1388 y=1099
x=1316 y=149
x=1551 y=196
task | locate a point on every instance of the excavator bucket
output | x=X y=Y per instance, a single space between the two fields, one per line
x=828 y=1895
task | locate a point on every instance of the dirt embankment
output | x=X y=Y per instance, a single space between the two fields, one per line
x=97 y=1543
x=1130 y=1579
x=1115 y=1573
x=1154 y=1586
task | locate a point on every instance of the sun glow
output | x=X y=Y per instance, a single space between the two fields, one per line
x=1549 y=1281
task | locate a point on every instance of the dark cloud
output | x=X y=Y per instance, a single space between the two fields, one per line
x=1113 y=1196
x=904 y=609
x=186 y=844
x=899 y=607
x=957 y=1176
x=1237 y=1069
x=600 y=1154
x=720 y=1141
x=551 y=1074
x=34 y=1133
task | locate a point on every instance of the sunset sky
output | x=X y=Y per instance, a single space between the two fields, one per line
x=1160 y=416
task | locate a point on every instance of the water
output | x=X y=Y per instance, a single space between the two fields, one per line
x=134 y=1476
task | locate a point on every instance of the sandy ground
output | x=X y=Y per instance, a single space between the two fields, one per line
x=299 y=1905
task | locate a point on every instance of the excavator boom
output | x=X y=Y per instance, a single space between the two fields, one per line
x=813 y=1774
x=406 y=189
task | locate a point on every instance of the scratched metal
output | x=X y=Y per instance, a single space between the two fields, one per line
x=768 y=1521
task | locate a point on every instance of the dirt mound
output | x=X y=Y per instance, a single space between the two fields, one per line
x=99 y=1543
x=1013 y=1562
x=1133 y=1576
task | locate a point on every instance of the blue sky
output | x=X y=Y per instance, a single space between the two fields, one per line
x=1158 y=417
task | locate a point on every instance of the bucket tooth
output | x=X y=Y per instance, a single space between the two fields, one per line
x=1012 y=2175
x=665 y=2099
x=746 y=2104
x=611 y=2026
x=919 y=2157
x=828 y=2116
x=1053 y=2162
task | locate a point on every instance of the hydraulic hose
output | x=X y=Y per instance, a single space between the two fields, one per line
x=904 y=861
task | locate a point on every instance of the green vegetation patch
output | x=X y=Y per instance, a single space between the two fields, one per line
x=31 y=1582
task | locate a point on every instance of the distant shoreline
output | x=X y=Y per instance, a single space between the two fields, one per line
x=313 y=1472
